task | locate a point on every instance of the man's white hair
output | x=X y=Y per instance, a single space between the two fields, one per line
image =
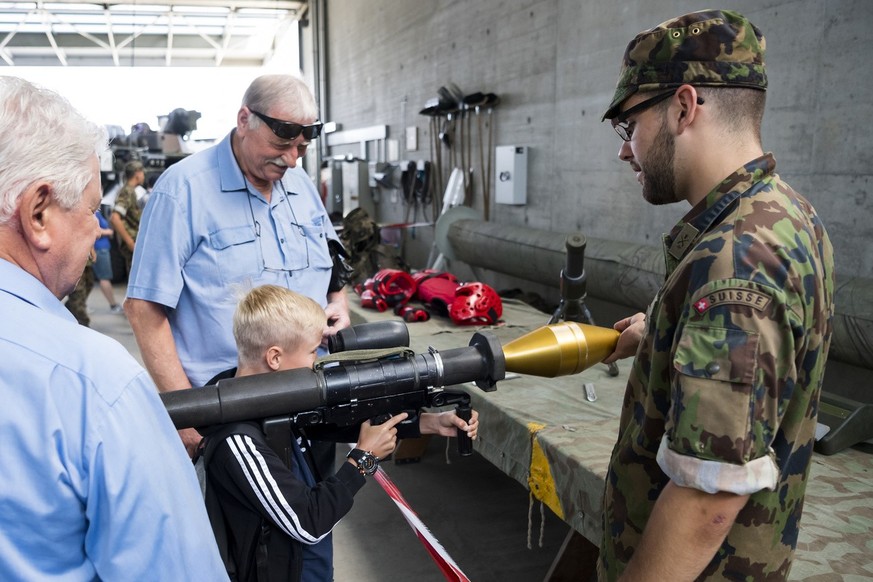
x=268 y=91
x=43 y=139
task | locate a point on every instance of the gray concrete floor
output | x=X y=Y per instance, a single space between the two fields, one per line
x=474 y=510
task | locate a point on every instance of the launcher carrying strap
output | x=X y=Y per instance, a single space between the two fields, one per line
x=363 y=356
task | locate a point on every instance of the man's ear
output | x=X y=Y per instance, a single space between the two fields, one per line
x=242 y=118
x=273 y=357
x=36 y=208
x=686 y=95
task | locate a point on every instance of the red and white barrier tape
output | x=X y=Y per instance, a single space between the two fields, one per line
x=439 y=554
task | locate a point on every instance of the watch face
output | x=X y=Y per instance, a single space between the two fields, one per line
x=367 y=462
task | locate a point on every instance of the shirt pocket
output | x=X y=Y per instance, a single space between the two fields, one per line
x=316 y=245
x=236 y=253
x=713 y=394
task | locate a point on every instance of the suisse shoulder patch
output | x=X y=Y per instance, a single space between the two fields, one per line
x=734 y=296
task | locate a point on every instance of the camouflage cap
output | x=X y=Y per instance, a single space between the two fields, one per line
x=713 y=48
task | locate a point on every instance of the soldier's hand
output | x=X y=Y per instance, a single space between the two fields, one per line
x=447 y=423
x=632 y=330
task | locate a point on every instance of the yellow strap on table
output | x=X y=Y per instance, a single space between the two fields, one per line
x=540 y=481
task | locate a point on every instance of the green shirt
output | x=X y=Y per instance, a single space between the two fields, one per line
x=127 y=207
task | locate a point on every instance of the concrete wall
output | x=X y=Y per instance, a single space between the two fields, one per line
x=554 y=64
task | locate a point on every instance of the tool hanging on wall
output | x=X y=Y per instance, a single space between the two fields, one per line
x=470 y=105
x=490 y=102
x=416 y=185
x=433 y=111
x=461 y=109
x=451 y=116
x=474 y=102
x=452 y=98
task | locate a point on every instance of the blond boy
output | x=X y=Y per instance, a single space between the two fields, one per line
x=287 y=513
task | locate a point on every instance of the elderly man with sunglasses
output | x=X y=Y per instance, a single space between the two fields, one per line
x=222 y=221
x=707 y=478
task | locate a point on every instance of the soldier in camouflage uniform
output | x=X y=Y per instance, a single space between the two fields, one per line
x=126 y=213
x=707 y=478
x=77 y=300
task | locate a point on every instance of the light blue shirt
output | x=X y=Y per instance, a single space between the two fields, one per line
x=95 y=480
x=207 y=236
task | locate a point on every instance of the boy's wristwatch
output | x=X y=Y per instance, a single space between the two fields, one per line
x=367 y=461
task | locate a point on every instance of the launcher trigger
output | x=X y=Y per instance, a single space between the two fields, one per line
x=380 y=419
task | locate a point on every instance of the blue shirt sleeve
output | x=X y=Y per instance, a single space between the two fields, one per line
x=96 y=482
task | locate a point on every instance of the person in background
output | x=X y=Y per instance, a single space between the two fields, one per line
x=95 y=482
x=103 y=264
x=126 y=212
x=708 y=475
x=77 y=300
x=270 y=511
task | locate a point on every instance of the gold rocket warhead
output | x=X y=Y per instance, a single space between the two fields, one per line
x=559 y=349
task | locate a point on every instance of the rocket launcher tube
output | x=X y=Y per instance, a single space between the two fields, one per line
x=349 y=392
x=343 y=393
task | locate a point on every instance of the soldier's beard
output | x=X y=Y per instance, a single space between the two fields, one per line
x=659 y=179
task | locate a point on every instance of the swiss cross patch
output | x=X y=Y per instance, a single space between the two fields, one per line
x=731 y=296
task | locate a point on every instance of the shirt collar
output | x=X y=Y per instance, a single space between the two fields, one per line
x=21 y=284
x=229 y=172
x=705 y=213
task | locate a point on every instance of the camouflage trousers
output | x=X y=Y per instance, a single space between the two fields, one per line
x=127 y=254
x=77 y=301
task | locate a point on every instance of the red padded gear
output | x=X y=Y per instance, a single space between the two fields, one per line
x=389 y=286
x=437 y=293
x=476 y=304
x=426 y=274
x=394 y=285
x=372 y=301
x=411 y=314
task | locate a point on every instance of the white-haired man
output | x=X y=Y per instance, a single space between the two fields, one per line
x=95 y=482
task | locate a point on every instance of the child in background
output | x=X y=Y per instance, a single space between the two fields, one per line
x=278 y=519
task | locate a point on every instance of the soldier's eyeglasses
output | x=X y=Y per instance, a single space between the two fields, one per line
x=289 y=130
x=625 y=128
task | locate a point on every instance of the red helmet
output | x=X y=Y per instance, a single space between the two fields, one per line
x=476 y=304
x=393 y=286
x=438 y=293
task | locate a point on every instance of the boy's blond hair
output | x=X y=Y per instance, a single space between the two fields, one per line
x=274 y=316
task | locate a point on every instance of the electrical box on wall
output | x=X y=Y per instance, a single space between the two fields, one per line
x=510 y=175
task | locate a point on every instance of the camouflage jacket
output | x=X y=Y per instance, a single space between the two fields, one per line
x=127 y=207
x=723 y=394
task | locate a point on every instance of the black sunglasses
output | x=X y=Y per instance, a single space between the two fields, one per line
x=621 y=125
x=288 y=130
